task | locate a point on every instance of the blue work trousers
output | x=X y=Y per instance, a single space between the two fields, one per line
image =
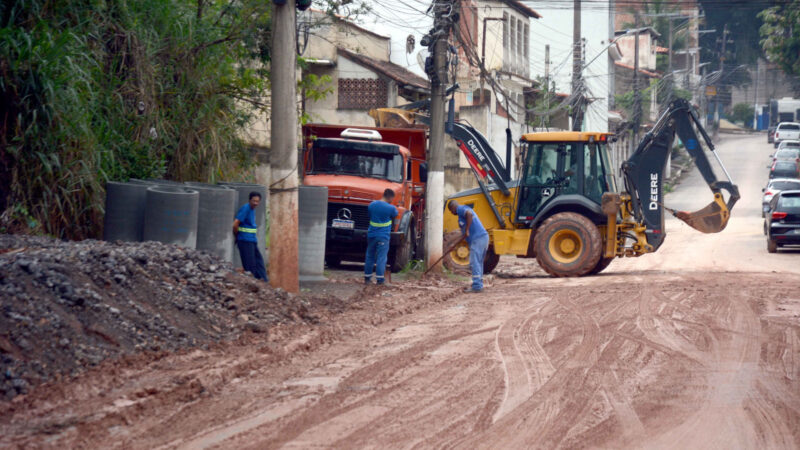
x=477 y=252
x=377 y=252
x=252 y=261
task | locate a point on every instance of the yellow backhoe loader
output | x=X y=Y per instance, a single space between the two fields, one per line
x=565 y=209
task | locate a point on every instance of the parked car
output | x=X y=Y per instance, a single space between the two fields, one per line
x=787 y=131
x=789 y=144
x=786 y=154
x=784 y=169
x=774 y=186
x=782 y=223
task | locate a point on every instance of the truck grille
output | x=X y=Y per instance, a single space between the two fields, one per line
x=360 y=214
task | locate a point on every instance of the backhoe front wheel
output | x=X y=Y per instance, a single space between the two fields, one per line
x=568 y=245
x=458 y=259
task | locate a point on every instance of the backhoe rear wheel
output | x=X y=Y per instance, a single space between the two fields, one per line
x=568 y=245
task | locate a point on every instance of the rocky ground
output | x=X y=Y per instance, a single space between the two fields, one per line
x=67 y=306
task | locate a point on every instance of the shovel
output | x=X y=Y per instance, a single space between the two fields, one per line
x=452 y=247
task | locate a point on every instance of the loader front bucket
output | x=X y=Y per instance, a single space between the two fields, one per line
x=711 y=219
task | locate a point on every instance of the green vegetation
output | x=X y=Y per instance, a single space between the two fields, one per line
x=781 y=36
x=743 y=113
x=93 y=91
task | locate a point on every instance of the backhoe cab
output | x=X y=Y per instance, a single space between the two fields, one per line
x=566 y=211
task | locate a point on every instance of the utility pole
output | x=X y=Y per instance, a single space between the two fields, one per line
x=669 y=63
x=284 y=267
x=577 y=110
x=755 y=98
x=721 y=70
x=434 y=193
x=546 y=83
x=637 y=101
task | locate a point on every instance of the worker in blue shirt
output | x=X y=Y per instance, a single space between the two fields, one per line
x=245 y=229
x=381 y=213
x=477 y=238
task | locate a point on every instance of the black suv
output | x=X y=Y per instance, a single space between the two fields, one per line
x=782 y=221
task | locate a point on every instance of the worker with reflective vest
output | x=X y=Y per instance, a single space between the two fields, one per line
x=245 y=230
x=381 y=213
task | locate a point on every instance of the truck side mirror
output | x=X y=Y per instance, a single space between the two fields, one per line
x=423 y=172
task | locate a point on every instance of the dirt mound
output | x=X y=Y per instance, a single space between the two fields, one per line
x=67 y=306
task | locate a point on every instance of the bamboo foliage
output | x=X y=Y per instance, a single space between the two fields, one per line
x=93 y=91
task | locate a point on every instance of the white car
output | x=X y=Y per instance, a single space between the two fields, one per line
x=787 y=131
x=789 y=144
x=774 y=186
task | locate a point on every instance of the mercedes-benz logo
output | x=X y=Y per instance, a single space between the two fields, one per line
x=344 y=214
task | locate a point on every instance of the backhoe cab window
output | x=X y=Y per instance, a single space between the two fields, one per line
x=597 y=176
x=554 y=164
x=348 y=162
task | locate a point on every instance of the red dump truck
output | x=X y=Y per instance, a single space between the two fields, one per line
x=357 y=164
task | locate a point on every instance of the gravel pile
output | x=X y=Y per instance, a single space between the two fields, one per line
x=66 y=306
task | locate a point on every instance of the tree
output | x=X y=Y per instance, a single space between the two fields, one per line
x=95 y=91
x=743 y=113
x=780 y=36
x=742 y=22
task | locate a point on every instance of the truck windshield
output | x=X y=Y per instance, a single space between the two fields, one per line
x=348 y=162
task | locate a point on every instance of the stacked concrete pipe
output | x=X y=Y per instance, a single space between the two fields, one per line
x=125 y=204
x=215 y=218
x=171 y=215
x=312 y=223
x=244 y=190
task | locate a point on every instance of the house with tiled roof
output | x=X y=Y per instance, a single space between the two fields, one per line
x=358 y=75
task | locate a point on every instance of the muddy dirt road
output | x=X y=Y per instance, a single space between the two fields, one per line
x=697 y=346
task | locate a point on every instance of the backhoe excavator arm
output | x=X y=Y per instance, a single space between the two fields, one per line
x=644 y=180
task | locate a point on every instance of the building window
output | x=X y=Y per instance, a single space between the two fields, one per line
x=526 y=54
x=505 y=37
x=513 y=36
x=361 y=93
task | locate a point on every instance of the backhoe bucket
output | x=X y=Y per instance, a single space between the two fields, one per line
x=711 y=219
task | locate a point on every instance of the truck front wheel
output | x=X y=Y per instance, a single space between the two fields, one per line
x=404 y=251
x=568 y=245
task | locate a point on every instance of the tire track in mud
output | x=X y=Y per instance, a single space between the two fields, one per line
x=526 y=366
x=721 y=421
x=540 y=420
x=371 y=385
x=676 y=362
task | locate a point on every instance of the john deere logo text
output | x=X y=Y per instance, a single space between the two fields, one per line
x=653 y=191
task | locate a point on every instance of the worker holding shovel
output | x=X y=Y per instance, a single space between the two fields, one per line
x=477 y=238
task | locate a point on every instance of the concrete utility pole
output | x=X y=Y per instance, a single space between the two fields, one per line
x=755 y=98
x=546 y=82
x=721 y=70
x=577 y=110
x=669 y=63
x=434 y=193
x=637 y=101
x=283 y=254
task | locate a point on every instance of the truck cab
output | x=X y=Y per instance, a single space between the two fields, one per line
x=357 y=165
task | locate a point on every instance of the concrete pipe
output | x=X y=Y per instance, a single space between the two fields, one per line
x=124 y=219
x=312 y=222
x=244 y=190
x=171 y=215
x=215 y=219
